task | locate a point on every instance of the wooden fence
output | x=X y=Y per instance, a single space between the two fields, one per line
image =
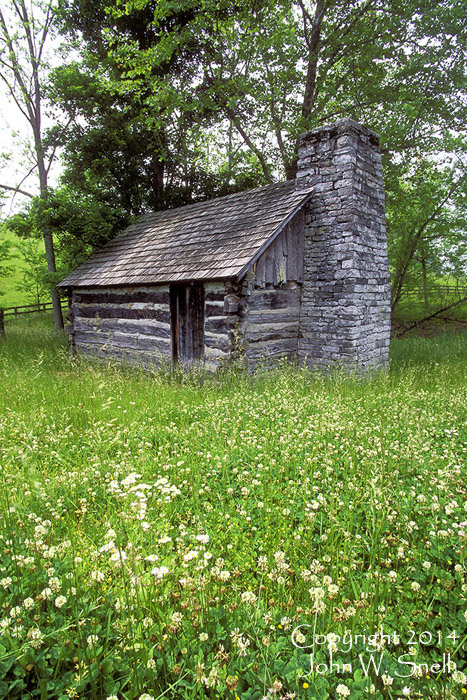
x=439 y=290
x=26 y=309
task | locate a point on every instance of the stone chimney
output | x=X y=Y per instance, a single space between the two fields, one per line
x=345 y=309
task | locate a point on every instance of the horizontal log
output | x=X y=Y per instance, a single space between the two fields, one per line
x=214 y=309
x=218 y=341
x=273 y=298
x=121 y=312
x=268 y=333
x=289 y=314
x=216 y=325
x=129 y=297
x=123 y=340
x=120 y=325
x=214 y=296
x=272 y=347
x=131 y=357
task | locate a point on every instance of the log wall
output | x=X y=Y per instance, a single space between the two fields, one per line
x=125 y=324
x=269 y=315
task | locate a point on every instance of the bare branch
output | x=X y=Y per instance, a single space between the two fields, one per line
x=18 y=190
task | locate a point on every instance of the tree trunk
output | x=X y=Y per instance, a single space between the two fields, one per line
x=425 y=290
x=56 y=305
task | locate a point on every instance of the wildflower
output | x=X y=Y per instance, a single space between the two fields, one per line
x=97 y=576
x=387 y=680
x=459 y=677
x=92 y=640
x=151 y=664
x=36 y=637
x=60 y=601
x=342 y=691
x=192 y=554
x=151 y=557
x=204 y=539
x=248 y=597
x=406 y=691
x=159 y=571
x=203 y=637
x=28 y=603
x=6 y=582
x=415 y=586
x=145 y=696
x=392 y=576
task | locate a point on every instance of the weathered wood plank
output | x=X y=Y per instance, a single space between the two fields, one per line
x=121 y=312
x=216 y=325
x=123 y=340
x=274 y=299
x=157 y=329
x=288 y=314
x=268 y=332
x=222 y=342
x=214 y=308
x=121 y=298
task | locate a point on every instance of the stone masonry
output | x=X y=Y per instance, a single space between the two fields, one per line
x=345 y=305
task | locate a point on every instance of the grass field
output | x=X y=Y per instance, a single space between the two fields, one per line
x=290 y=535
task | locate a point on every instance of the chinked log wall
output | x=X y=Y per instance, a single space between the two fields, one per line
x=133 y=324
x=273 y=292
x=126 y=324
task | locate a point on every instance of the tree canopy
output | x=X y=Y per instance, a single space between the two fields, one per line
x=169 y=103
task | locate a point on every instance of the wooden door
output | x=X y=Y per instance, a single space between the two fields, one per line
x=187 y=322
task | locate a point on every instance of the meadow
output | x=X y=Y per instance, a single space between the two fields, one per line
x=290 y=535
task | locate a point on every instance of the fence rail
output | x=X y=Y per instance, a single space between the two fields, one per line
x=28 y=308
x=440 y=290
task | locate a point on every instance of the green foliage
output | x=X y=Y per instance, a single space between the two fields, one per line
x=173 y=103
x=167 y=536
x=5 y=260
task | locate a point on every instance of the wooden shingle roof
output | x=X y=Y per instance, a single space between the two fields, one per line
x=218 y=239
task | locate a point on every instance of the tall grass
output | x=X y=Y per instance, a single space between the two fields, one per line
x=233 y=536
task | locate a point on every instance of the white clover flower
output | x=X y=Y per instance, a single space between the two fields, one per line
x=97 y=576
x=342 y=691
x=459 y=677
x=60 y=601
x=28 y=603
x=387 y=680
x=203 y=637
x=145 y=696
x=35 y=637
x=426 y=565
x=6 y=582
x=151 y=664
x=92 y=640
x=15 y=611
x=333 y=590
x=248 y=597
x=415 y=586
x=392 y=576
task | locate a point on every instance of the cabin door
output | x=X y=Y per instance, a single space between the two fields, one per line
x=187 y=322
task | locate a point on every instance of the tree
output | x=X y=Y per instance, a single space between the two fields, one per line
x=222 y=88
x=23 y=40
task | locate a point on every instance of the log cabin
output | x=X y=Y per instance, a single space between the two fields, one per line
x=295 y=270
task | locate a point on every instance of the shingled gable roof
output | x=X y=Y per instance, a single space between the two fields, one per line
x=218 y=239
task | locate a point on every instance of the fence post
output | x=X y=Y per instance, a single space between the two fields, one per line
x=2 y=324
